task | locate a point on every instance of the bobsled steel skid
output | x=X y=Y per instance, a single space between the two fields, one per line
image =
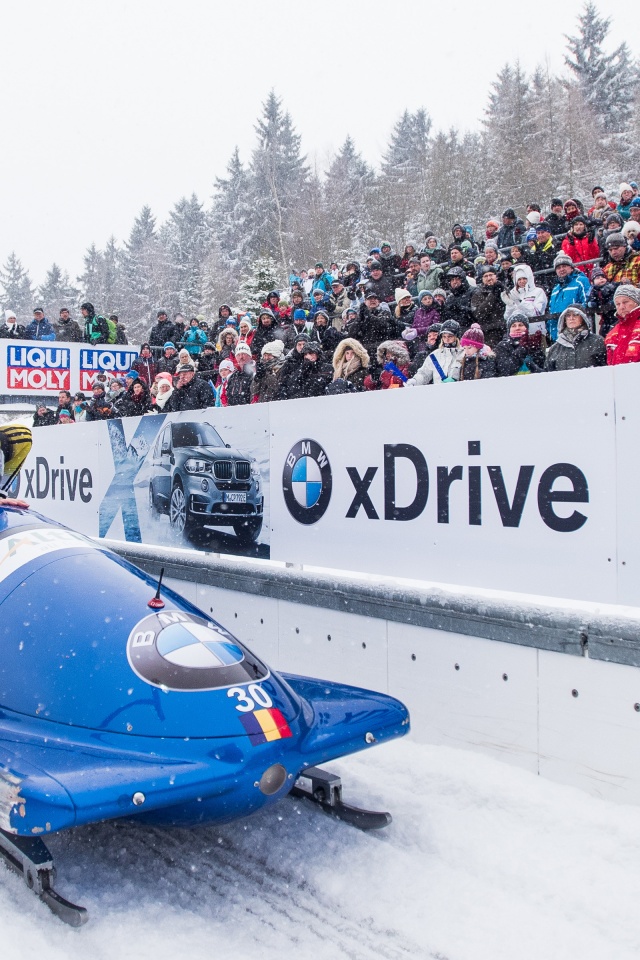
x=325 y=789
x=30 y=857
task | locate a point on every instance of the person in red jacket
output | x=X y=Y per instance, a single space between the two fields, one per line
x=145 y=365
x=580 y=244
x=623 y=341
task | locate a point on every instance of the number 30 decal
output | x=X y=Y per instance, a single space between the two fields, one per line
x=247 y=703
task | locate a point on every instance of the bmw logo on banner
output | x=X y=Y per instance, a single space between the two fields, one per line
x=306 y=481
x=180 y=651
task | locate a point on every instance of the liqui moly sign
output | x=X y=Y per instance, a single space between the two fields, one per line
x=95 y=360
x=42 y=369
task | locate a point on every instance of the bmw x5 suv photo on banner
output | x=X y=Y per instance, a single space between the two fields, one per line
x=199 y=480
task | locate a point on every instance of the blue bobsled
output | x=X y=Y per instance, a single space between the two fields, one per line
x=115 y=706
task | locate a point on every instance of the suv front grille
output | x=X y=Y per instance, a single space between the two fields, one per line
x=243 y=469
x=222 y=469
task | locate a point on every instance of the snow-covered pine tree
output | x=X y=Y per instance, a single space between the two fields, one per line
x=279 y=179
x=455 y=187
x=185 y=237
x=231 y=213
x=348 y=183
x=265 y=274
x=113 y=287
x=510 y=139
x=17 y=293
x=142 y=270
x=608 y=81
x=401 y=189
x=91 y=288
x=57 y=292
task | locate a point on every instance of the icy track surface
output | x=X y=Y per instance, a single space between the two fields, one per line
x=482 y=862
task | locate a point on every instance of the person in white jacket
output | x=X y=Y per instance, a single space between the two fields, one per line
x=443 y=365
x=526 y=298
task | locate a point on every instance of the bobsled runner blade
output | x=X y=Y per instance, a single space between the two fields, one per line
x=30 y=857
x=325 y=789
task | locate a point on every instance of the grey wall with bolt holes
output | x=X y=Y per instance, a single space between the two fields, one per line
x=553 y=688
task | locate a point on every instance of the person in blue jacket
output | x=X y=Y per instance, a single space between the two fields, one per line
x=194 y=339
x=573 y=287
x=40 y=328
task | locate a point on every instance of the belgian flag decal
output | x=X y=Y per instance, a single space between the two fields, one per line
x=265 y=725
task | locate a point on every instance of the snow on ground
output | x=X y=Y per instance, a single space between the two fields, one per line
x=482 y=862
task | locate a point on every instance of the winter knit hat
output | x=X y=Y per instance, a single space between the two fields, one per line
x=473 y=337
x=426 y=293
x=227 y=365
x=401 y=293
x=625 y=186
x=9 y=315
x=299 y=315
x=517 y=318
x=616 y=240
x=273 y=349
x=242 y=347
x=534 y=217
x=439 y=292
x=628 y=290
x=168 y=344
x=451 y=326
x=64 y=413
x=562 y=260
x=493 y=223
x=163 y=376
x=132 y=374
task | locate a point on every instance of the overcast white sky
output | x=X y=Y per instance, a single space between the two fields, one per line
x=107 y=107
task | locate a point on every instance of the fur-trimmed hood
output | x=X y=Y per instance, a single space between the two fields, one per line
x=350 y=344
x=222 y=335
x=397 y=349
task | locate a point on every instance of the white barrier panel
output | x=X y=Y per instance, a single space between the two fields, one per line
x=521 y=484
x=570 y=719
x=45 y=367
x=499 y=483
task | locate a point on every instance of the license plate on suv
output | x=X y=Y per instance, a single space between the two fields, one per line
x=235 y=497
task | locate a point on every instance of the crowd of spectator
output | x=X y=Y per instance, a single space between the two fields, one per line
x=557 y=290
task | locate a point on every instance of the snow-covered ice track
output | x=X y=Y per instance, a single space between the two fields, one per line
x=276 y=896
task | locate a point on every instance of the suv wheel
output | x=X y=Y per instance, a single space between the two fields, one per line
x=178 y=512
x=248 y=530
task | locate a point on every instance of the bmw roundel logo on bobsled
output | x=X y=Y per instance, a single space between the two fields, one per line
x=122 y=699
x=178 y=651
x=307 y=481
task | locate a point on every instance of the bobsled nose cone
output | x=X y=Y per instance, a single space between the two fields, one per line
x=344 y=719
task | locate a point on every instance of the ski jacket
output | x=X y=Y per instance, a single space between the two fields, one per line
x=449 y=360
x=195 y=395
x=67 y=331
x=574 y=288
x=587 y=349
x=40 y=330
x=623 y=342
x=624 y=271
x=146 y=368
x=582 y=248
x=520 y=355
x=488 y=312
x=529 y=300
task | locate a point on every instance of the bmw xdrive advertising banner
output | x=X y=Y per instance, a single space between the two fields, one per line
x=520 y=484
x=197 y=479
x=504 y=484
